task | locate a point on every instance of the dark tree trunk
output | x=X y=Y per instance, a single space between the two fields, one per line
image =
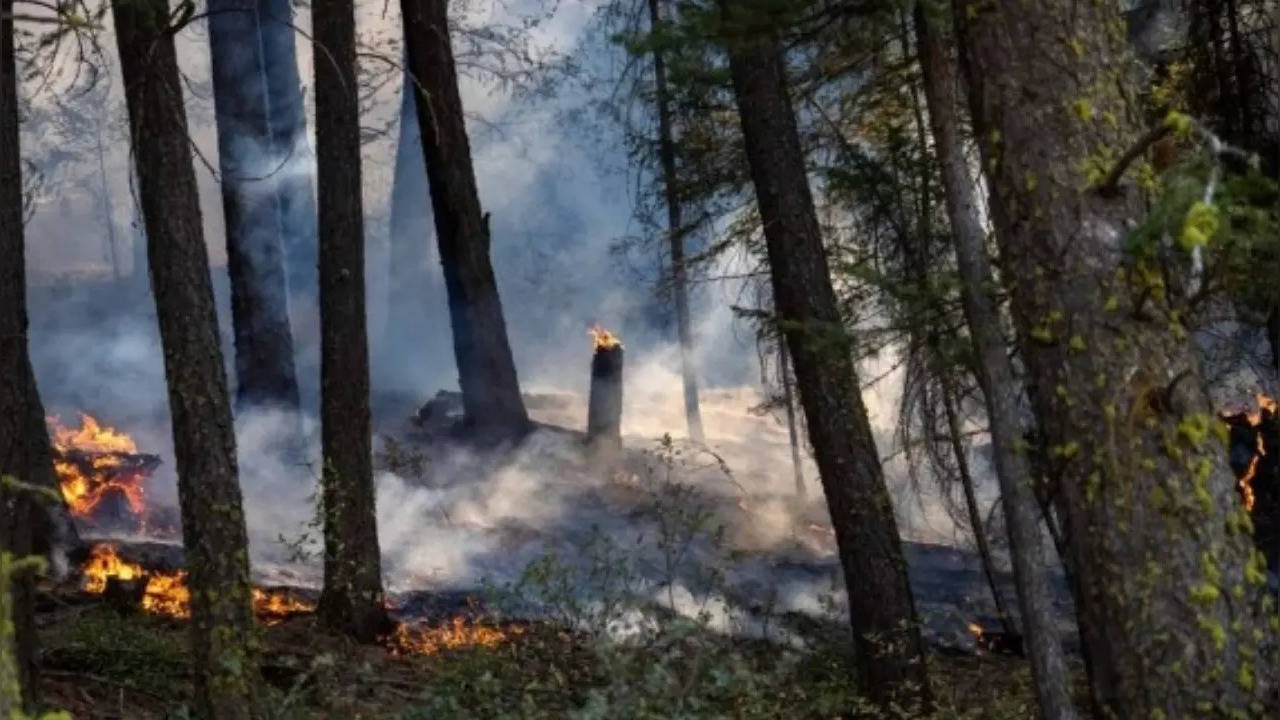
x=409 y=330
x=486 y=371
x=213 y=529
x=291 y=143
x=253 y=174
x=352 y=598
x=24 y=455
x=1162 y=568
x=1000 y=387
x=604 y=401
x=793 y=434
x=890 y=662
x=675 y=234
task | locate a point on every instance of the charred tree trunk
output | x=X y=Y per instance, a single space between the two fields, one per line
x=486 y=371
x=24 y=455
x=1000 y=388
x=352 y=598
x=213 y=528
x=675 y=233
x=252 y=177
x=1161 y=567
x=890 y=653
x=604 y=402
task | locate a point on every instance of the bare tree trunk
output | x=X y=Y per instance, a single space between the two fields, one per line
x=890 y=653
x=213 y=529
x=352 y=599
x=1163 y=571
x=1000 y=388
x=954 y=433
x=675 y=234
x=793 y=435
x=486 y=371
x=252 y=173
x=24 y=455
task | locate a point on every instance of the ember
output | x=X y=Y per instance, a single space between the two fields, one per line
x=167 y=593
x=457 y=634
x=97 y=464
x=1253 y=421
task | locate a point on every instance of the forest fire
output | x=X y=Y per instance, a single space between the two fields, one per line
x=99 y=466
x=167 y=593
x=457 y=634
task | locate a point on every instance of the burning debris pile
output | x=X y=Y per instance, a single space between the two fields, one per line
x=128 y=585
x=102 y=475
x=165 y=592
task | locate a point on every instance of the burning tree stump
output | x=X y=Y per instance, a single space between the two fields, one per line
x=604 y=405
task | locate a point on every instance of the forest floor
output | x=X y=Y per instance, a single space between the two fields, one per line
x=101 y=665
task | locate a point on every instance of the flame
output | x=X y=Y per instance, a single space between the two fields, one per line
x=603 y=339
x=274 y=606
x=167 y=593
x=975 y=629
x=456 y=634
x=91 y=437
x=87 y=482
x=1267 y=407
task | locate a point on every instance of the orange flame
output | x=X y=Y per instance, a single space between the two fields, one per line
x=167 y=593
x=1267 y=407
x=86 y=483
x=457 y=634
x=975 y=629
x=603 y=339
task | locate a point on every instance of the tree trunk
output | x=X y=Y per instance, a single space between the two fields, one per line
x=213 y=529
x=890 y=653
x=409 y=328
x=24 y=454
x=954 y=433
x=252 y=177
x=793 y=435
x=675 y=234
x=352 y=598
x=1160 y=558
x=1000 y=387
x=486 y=371
x=291 y=144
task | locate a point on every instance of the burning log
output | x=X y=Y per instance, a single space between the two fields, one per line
x=604 y=405
x=101 y=473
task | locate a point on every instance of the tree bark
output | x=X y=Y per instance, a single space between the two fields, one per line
x=1000 y=387
x=793 y=435
x=675 y=234
x=24 y=455
x=252 y=179
x=890 y=654
x=486 y=371
x=1162 y=562
x=410 y=325
x=352 y=598
x=213 y=528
